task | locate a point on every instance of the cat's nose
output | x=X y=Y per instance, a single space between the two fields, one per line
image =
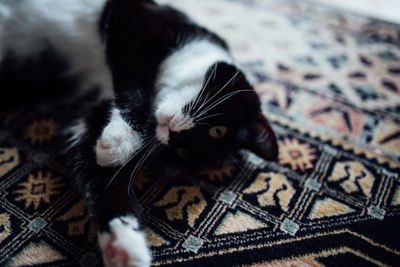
x=164 y=120
x=181 y=123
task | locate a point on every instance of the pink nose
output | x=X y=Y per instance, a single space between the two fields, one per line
x=164 y=120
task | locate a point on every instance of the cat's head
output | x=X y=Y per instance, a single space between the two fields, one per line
x=225 y=116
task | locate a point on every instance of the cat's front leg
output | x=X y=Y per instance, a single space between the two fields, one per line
x=124 y=244
x=120 y=235
x=105 y=188
x=118 y=141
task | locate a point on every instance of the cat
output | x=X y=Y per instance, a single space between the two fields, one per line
x=161 y=86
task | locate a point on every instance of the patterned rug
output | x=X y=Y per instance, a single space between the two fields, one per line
x=330 y=85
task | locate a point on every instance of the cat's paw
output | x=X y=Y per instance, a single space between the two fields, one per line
x=126 y=245
x=117 y=143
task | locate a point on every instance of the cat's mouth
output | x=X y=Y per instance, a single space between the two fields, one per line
x=172 y=123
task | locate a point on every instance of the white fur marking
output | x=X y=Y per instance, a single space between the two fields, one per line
x=78 y=130
x=127 y=244
x=117 y=143
x=179 y=81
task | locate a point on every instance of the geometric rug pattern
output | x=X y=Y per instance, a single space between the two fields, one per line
x=329 y=82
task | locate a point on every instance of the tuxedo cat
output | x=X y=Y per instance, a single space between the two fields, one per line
x=164 y=87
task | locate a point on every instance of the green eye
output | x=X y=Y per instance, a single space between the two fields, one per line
x=181 y=152
x=217 y=132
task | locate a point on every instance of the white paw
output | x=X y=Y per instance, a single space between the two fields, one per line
x=125 y=246
x=117 y=143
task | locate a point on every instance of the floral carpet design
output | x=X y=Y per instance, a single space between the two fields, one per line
x=330 y=85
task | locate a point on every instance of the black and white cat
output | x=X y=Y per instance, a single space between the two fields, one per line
x=165 y=86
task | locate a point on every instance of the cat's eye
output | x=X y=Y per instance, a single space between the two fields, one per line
x=217 y=132
x=181 y=152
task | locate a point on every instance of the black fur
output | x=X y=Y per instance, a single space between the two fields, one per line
x=35 y=78
x=237 y=114
x=138 y=36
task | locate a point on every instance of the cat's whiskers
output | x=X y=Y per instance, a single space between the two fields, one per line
x=140 y=163
x=220 y=100
x=211 y=105
x=138 y=167
x=206 y=117
x=198 y=97
x=135 y=153
x=194 y=103
x=150 y=152
x=150 y=145
x=220 y=90
x=204 y=99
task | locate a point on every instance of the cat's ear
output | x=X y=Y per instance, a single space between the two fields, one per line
x=261 y=139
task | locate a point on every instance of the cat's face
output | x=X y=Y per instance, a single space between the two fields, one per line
x=224 y=117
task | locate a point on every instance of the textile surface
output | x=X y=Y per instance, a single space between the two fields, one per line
x=330 y=86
